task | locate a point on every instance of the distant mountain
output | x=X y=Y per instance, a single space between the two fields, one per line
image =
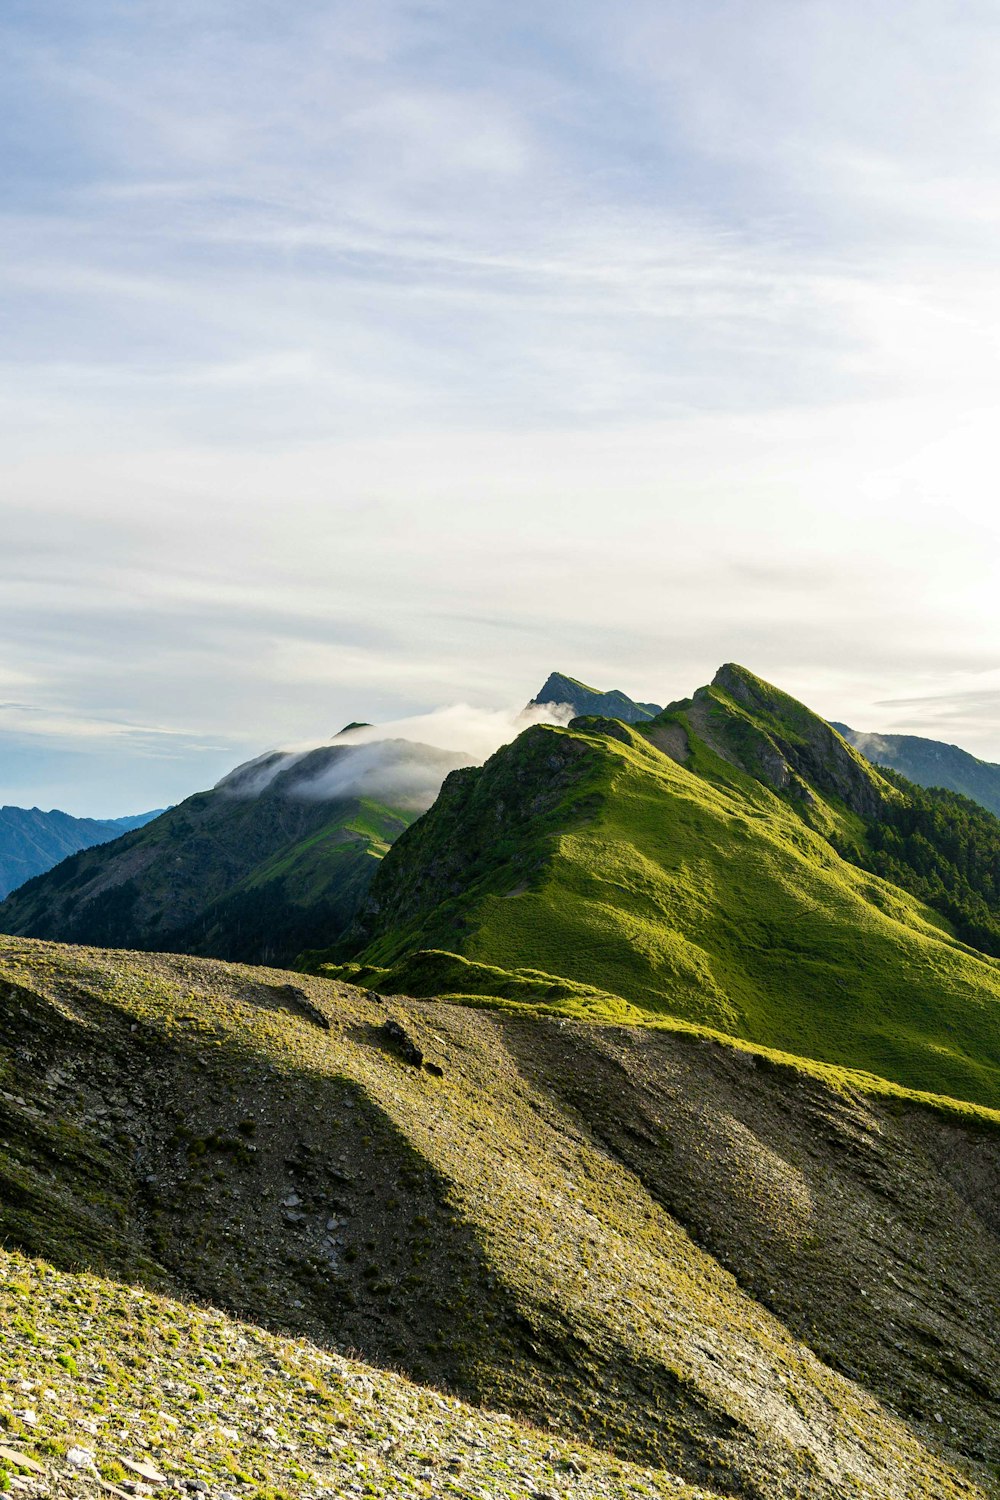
x=587 y=700
x=272 y=860
x=930 y=763
x=719 y=865
x=32 y=841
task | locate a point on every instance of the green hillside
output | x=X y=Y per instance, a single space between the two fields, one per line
x=272 y=860
x=685 y=872
x=471 y=1253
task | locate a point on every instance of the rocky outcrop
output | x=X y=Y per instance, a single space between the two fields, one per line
x=783 y=743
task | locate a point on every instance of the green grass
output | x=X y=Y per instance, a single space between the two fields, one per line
x=312 y=867
x=691 y=899
x=253 y=878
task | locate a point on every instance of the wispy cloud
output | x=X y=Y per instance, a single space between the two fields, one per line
x=363 y=357
x=402 y=762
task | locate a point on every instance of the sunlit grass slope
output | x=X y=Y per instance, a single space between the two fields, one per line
x=587 y=855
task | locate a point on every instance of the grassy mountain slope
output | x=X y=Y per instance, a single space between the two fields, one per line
x=941 y=847
x=558 y=688
x=930 y=763
x=679 y=1252
x=754 y=726
x=589 y=869
x=32 y=841
x=277 y=855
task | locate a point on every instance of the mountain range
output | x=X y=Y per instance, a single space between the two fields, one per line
x=719 y=865
x=559 y=689
x=278 y=857
x=629 y=1126
x=926 y=762
x=930 y=763
x=32 y=841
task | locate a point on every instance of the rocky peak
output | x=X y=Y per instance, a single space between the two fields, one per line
x=783 y=743
x=590 y=701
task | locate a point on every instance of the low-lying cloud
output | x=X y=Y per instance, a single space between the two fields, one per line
x=402 y=763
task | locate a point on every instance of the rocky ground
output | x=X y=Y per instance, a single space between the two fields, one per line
x=661 y=1255
x=112 y=1389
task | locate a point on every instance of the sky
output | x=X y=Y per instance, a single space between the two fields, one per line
x=360 y=359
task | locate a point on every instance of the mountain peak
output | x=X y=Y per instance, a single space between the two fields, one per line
x=742 y=684
x=779 y=741
x=585 y=700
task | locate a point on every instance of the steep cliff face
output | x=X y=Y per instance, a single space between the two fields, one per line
x=783 y=743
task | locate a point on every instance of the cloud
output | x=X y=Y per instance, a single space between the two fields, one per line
x=460 y=726
x=401 y=763
x=369 y=356
x=968 y=714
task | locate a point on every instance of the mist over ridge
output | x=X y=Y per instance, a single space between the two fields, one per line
x=401 y=763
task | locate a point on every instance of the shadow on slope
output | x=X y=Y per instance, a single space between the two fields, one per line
x=170 y=1152
x=870 y=1228
x=195 y=1126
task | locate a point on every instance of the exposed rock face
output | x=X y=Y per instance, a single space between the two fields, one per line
x=299 y=1003
x=401 y=1042
x=785 y=744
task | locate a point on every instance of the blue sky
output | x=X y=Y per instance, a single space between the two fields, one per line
x=362 y=358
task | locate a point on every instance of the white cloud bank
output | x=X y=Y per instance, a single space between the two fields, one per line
x=462 y=727
x=401 y=763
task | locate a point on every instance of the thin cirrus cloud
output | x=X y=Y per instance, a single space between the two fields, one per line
x=360 y=358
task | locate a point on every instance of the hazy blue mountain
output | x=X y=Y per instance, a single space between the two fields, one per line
x=930 y=763
x=587 y=700
x=32 y=841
